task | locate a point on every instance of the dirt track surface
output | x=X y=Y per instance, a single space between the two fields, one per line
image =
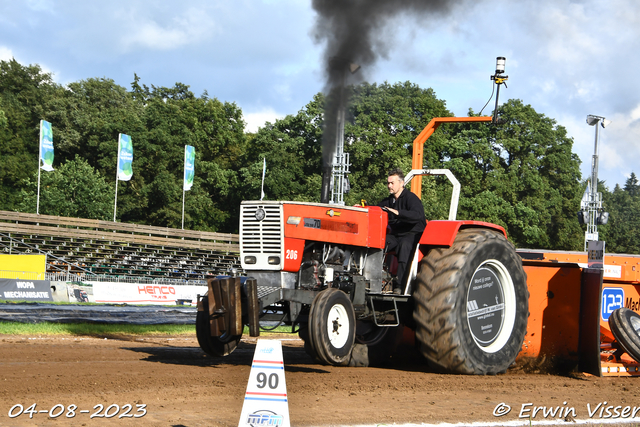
x=181 y=386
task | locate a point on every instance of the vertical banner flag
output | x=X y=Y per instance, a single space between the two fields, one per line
x=125 y=157
x=46 y=146
x=189 y=166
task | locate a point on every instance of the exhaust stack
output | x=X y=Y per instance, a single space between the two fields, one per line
x=326 y=184
x=335 y=167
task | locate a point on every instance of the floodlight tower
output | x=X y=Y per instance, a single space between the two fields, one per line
x=592 y=212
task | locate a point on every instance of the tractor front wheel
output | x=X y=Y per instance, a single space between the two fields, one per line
x=332 y=327
x=472 y=304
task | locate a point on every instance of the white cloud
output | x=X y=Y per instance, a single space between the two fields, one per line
x=258 y=119
x=565 y=30
x=40 y=5
x=617 y=144
x=5 y=54
x=192 y=27
x=622 y=138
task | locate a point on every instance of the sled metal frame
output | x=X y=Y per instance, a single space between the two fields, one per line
x=613 y=366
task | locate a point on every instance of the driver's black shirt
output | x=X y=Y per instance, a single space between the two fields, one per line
x=410 y=218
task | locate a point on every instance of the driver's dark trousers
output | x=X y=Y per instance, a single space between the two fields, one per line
x=403 y=245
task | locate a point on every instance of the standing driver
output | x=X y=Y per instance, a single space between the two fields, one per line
x=406 y=224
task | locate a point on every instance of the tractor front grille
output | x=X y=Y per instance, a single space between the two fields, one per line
x=261 y=239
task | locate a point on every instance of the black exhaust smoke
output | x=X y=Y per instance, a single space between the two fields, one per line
x=354 y=33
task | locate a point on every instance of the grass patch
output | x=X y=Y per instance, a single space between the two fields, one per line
x=278 y=330
x=14 y=328
x=95 y=329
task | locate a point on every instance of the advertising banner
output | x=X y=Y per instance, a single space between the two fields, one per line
x=78 y=291
x=46 y=146
x=139 y=293
x=189 y=166
x=125 y=157
x=29 y=290
x=28 y=267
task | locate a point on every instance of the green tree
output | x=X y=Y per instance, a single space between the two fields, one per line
x=622 y=232
x=25 y=94
x=292 y=148
x=520 y=174
x=174 y=118
x=161 y=121
x=75 y=189
x=631 y=185
x=89 y=118
x=382 y=121
x=3 y=117
x=385 y=119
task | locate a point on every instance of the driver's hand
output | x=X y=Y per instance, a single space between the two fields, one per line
x=393 y=211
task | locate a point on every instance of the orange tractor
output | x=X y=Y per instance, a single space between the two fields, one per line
x=322 y=269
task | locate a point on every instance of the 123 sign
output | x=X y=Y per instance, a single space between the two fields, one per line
x=612 y=298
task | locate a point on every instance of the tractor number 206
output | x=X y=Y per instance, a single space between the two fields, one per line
x=291 y=254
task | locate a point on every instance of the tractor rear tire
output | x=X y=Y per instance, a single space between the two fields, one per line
x=625 y=326
x=332 y=327
x=213 y=346
x=472 y=304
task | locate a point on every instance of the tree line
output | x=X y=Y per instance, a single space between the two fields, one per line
x=520 y=173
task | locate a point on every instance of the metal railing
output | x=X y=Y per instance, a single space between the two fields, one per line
x=67 y=268
x=84 y=277
x=25 y=275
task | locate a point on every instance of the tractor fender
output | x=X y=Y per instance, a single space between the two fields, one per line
x=443 y=233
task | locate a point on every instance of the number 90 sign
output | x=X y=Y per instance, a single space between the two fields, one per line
x=263 y=381
x=265 y=402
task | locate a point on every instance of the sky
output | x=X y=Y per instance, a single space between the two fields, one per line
x=567 y=59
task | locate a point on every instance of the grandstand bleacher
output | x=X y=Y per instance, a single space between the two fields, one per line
x=85 y=249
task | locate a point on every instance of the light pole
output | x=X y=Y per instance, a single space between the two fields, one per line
x=500 y=79
x=592 y=212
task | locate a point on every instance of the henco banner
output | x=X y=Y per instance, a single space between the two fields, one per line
x=134 y=293
x=30 y=290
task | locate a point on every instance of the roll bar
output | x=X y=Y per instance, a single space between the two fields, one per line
x=455 y=194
